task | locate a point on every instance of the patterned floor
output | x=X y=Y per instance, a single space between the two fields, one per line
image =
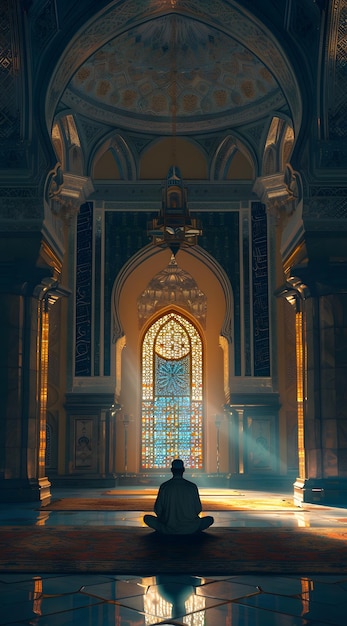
x=97 y=600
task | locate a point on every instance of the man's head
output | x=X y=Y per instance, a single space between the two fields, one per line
x=177 y=467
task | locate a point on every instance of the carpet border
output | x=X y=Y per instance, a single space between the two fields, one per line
x=149 y=566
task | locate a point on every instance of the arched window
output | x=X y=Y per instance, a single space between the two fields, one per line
x=172 y=393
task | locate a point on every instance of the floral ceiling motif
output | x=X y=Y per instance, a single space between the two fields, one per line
x=173 y=62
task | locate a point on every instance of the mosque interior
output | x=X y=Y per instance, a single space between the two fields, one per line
x=173 y=283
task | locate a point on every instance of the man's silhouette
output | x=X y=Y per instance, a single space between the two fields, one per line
x=177 y=506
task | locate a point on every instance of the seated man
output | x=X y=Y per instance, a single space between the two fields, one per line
x=177 y=506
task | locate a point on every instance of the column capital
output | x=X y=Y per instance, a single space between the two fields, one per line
x=280 y=191
x=314 y=279
x=66 y=192
x=293 y=290
x=22 y=279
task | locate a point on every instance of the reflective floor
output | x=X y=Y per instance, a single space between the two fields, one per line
x=258 y=600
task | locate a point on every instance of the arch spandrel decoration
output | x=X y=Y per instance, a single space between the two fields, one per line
x=172 y=394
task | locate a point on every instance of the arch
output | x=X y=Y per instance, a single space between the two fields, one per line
x=172 y=407
x=213 y=265
x=270 y=161
x=158 y=157
x=58 y=144
x=278 y=145
x=106 y=167
x=76 y=160
x=121 y=153
x=227 y=150
x=67 y=144
x=201 y=255
x=135 y=261
x=129 y=329
x=287 y=145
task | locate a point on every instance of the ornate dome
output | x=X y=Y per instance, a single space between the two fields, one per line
x=214 y=79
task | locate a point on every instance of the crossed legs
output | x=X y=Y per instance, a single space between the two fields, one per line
x=153 y=522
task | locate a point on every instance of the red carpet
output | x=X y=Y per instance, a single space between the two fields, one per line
x=139 y=551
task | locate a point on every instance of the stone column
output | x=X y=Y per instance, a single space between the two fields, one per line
x=24 y=325
x=320 y=296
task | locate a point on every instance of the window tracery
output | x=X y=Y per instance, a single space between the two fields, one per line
x=172 y=393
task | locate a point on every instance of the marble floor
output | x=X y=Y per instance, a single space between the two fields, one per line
x=39 y=599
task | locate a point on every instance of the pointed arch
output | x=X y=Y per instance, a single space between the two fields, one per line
x=172 y=404
x=197 y=252
x=278 y=145
x=122 y=154
x=228 y=148
x=158 y=156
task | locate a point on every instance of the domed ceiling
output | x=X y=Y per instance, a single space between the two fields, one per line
x=177 y=68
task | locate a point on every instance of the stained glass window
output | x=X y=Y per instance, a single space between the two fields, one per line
x=172 y=393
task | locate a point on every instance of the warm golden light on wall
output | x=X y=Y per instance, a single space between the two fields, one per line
x=300 y=365
x=43 y=378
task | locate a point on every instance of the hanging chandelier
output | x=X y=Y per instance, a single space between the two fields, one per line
x=174 y=227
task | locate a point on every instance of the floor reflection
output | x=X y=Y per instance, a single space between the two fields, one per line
x=169 y=598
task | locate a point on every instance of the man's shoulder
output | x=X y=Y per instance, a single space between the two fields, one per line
x=165 y=484
x=173 y=482
x=189 y=484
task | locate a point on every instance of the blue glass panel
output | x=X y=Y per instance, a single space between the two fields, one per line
x=172 y=377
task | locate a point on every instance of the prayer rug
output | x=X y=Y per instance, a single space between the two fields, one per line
x=219 y=551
